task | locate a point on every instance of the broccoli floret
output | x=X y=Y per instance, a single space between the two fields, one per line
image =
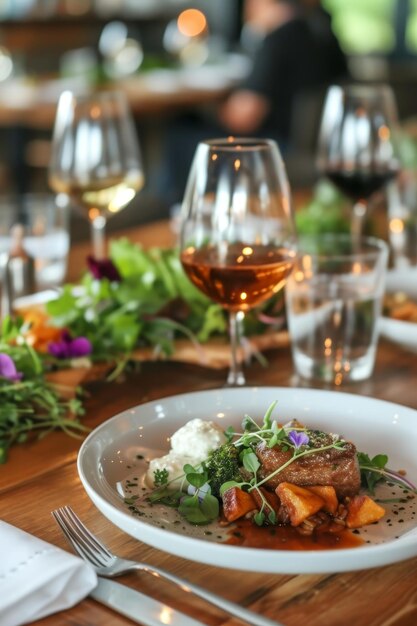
x=222 y=466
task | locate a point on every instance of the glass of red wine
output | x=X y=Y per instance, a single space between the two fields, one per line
x=356 y=146
x=237 y=235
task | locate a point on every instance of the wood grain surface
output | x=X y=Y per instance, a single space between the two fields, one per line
x=41 y=476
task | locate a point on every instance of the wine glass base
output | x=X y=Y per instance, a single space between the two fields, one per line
x=235 y=379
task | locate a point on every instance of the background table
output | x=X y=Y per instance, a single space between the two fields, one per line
x=42 y=476
x=32 y=104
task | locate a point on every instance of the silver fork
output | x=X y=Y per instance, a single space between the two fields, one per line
x=107 y=564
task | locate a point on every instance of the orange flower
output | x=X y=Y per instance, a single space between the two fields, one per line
x=39 y=334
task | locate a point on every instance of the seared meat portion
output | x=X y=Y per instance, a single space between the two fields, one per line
x=339 y=468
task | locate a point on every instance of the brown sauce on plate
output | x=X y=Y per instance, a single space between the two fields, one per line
x=246 y=533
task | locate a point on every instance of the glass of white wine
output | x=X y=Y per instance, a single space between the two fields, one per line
x=96 y=159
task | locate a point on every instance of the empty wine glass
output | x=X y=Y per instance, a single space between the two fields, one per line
x=237 y=236
x=356 y=147
x=95 y=158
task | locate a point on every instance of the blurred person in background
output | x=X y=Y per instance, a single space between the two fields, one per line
x=296 y=53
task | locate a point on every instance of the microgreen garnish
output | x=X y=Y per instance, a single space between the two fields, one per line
x=136 y=298
x=229 y=433
x=140 y=298
x=296 y=455
x=199 y=506
x=160 y=477
x=250 y=461
x=236 y=464
x=29 y=404
x=375 y=470
x=267 y=421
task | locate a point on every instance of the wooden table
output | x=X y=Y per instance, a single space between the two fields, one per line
x=42 y=476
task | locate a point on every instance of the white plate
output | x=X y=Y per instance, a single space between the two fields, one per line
x=402 y=279
x=398 y=331
x=402 y=333
x=108 y=463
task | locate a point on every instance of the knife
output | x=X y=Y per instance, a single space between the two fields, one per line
x=138 y=607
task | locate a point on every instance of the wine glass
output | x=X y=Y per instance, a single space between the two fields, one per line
x=237 y=235
x=96 y=158
x=356 y=146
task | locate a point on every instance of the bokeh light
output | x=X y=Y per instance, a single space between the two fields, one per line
x=192 y=23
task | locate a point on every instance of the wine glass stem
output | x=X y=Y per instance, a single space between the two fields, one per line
x=98 y=237
x=358 y=220
x=236 y=376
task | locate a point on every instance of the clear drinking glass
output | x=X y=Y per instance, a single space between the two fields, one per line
x=237 y=230
x=42 y=223
x=95 y=158
x=356 y=146
x=334 y=298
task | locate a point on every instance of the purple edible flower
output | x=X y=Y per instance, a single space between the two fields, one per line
x=68 y=348
x=8 y=368
x=298 y=439
x=103 y=268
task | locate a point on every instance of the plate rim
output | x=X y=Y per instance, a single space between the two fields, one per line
x=402 y=333
x=303 y=561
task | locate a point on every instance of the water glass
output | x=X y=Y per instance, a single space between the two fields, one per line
x=334 y=298
x=44 y=228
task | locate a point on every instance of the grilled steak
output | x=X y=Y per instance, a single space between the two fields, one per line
x=339 y=468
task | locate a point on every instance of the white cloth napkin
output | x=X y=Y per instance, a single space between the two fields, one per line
x=37 y=578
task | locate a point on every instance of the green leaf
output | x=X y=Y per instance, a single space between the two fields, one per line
x=228 y=485
x=190 y=509
x=273 y=441
x=267 y=421
x=129 y=258
x=272 y=517
x=251 y=462
x=210 y=507
x=197 y=479
x=63 y=309
x=214 y=322
x=229 y=433
x=188 y=469
x=249 y=425
x=371 y=470
x=259 y=518
x=380 y=460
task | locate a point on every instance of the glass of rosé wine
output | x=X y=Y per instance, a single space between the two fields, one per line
x=96 y=160
x=237 y=229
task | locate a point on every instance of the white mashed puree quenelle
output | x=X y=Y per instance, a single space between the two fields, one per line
x=192 y=443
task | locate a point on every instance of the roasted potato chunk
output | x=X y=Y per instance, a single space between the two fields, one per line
x=362 y=510
x=299 y=502
x=237 y=503
x=328 y=493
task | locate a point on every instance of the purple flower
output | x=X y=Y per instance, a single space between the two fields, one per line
x=68 y=348
x=298 y=439
x=8 y=368
x=103 y=268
